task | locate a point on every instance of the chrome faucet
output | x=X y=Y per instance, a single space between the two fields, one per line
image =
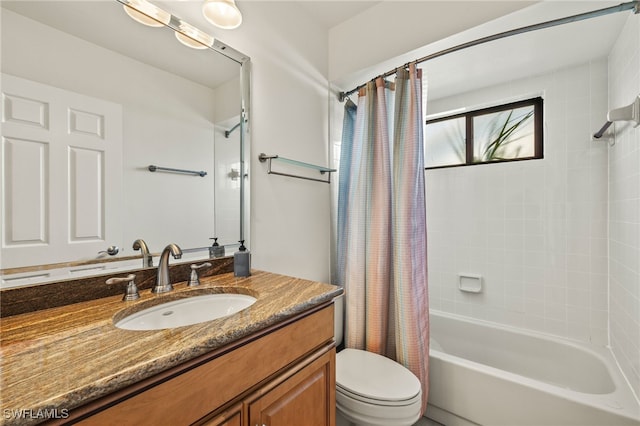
x=147 y=259
x=163 y=283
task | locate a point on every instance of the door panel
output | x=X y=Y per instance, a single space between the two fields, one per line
x=26 y=192
x=61 y=174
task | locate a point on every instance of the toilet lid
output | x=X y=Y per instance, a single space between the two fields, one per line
x=374 y=376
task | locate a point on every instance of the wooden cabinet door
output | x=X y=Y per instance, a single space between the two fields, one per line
x=307 y=397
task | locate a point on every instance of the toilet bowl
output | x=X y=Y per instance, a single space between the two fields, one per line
x=372 y=389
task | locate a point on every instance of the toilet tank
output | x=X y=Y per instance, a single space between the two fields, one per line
x=338 y=321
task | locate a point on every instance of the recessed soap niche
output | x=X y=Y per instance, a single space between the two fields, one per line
x=470 y=283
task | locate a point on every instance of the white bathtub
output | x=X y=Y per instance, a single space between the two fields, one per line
x=487 y=374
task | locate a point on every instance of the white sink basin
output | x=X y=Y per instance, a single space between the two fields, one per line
x=192 y=310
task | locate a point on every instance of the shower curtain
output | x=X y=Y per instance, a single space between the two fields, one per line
x=381 y=223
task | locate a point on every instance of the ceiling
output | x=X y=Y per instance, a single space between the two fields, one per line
x=524 y=55
x=331 y=13
x=510 y=58
x=507 y=59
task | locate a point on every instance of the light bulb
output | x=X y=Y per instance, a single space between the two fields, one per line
x=147 y=13
x=222 y=13
x=195 y=41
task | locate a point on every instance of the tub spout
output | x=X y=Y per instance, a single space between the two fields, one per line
x=163 y=281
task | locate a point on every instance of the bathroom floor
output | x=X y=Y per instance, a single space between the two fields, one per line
x=427 y=422
x=422 y=422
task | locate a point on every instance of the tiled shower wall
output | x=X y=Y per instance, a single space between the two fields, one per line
x=536 y=231
x=624 y=211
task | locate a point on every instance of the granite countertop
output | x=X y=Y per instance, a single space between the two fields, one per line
x=62 y=358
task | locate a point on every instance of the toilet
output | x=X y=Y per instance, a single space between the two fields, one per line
x=372 y=389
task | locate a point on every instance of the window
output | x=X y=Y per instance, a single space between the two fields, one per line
x=501 y=133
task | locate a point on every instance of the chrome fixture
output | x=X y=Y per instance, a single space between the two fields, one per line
x=163 y=283
x=194 y=280
x=147 y=259
x=234 y=174
x=111 y=251
x=151 y=15
x=131 y=292
x=153 y=168
x=227 y=133
x=628 y=113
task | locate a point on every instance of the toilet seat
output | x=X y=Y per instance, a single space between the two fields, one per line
x=367 y=376
x=378 y=402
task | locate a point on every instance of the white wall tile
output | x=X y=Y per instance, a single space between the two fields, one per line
x=564 y=232
x=543 y=222
x=624 y=215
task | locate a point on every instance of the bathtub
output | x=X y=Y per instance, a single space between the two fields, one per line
x=487 y=374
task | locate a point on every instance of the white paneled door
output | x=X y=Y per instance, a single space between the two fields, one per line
x=61 y=174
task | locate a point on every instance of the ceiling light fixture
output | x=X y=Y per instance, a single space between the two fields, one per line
x=222 y=13
x=192 y=37
x=146 y=13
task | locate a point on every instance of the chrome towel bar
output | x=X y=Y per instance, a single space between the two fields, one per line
x=153 y=168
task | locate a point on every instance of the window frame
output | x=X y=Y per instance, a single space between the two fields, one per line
x=468 y=116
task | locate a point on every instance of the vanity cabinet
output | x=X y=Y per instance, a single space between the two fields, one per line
x=282 y=376
x=299 y=396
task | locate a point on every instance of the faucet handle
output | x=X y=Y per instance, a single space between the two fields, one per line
x=195 y=279
x=131 y=293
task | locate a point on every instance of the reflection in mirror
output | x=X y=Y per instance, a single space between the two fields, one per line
x=90 y=99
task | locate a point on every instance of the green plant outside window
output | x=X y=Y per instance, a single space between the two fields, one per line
x=507 y=132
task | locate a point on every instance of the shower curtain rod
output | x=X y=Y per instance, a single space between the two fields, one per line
x=632 y=5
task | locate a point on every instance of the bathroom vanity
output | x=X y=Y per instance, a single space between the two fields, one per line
x=272 y=363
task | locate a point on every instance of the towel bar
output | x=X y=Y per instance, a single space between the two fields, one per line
x=323 y=170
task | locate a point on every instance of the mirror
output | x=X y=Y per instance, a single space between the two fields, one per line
x=121 y=96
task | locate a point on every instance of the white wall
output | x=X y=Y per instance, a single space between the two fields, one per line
x=624 y=207
x=289 y=217
x=168 y=121
x=535 y=230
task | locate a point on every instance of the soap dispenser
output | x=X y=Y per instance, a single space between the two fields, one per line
x=242 y=261
x=216 y=250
